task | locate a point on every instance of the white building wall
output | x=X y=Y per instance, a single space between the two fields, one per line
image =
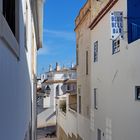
x=45 y=118
x=15 y=101
x=83 y=78
x=115 y=77
x=15 y=98
x=58 y=76
x=17 y=84
x=68 y=122
x=44 y=115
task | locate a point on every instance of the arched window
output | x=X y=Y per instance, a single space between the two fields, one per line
x=47 y=87
x=47 y=90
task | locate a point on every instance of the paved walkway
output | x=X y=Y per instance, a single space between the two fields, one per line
x=47 y=139
x=41 y=133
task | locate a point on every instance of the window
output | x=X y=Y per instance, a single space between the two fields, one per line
x=79 y=90
x=137 y=93
x=26 y=27
x=10 y=22
x=135 y=29
x=43 y=76
x=77 y=55
x=95 y=99
x=9 y=13
x=68 y=87
x=115 y=46
x=57 y=90
x=66 y=76
x=96 y=51
x=79 y=104
x=99 y=133
x=86 y=62
x=79 y=95
x=133 y=20
x=47 y=91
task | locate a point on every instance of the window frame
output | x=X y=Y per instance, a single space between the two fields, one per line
x=80 y=104
x=137 y=97
x=57 y=90
x=6 y=34
x=99 y=134
x=79 y=101
x=87 y=62
x=68 y=87
x=26 y=18
x=77 y=54
x=9 y=12
x=95 y=49
x=115 y=46
x=95 y=99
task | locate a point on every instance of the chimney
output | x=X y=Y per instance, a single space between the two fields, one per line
x=72 y=65
x=50 y=68
x=64 y=67
x=57 y=67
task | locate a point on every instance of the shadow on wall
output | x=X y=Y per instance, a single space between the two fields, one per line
x=40 y=108
x=52 y=115
x=15 y=98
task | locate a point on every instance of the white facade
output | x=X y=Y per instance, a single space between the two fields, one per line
x=54 y=79
x=115 y=77
x=114 y=91
x=83 y=42
x=18 y=68
x=68 y=120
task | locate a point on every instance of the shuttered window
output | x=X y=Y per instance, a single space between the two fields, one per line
x=135 y=31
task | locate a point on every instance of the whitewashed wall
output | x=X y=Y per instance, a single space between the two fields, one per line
x=83 y=79
x=68 y=122
x=116 y=76
x=44 y=115
x=16 y=85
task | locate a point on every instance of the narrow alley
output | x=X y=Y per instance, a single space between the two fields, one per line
x=69 y=69
x=41 y=135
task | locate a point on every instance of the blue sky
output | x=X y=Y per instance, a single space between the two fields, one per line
x=58 y=36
